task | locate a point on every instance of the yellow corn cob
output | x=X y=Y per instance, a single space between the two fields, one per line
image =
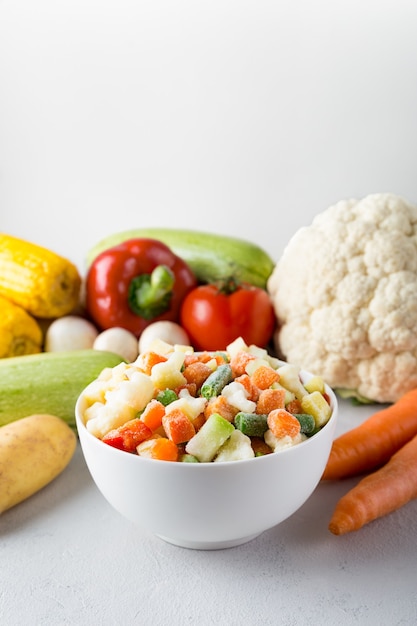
x=43 y=283
x=19 y=333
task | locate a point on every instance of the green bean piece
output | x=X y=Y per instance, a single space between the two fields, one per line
x=215 y=383
x=251 y=424
x=307 y=423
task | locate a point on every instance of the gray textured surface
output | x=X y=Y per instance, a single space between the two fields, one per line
x=68 y=559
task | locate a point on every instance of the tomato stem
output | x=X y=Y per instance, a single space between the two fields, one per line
x=227 y=286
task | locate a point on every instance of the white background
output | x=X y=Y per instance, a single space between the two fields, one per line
x=236 y=116
x=233 y=116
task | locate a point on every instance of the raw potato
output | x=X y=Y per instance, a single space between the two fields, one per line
x=33 y=451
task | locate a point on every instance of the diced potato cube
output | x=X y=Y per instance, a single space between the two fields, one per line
x=238 y=345
x=315 y=404
x=254 y=364
x=315 y=384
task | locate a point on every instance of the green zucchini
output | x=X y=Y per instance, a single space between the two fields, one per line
x=49 y=382
x=212 y=257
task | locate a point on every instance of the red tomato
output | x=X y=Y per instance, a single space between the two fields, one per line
x=215 y=316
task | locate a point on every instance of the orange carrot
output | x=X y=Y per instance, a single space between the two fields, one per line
x=269 y=400
x=259 y=446
x=196 y=373
x=372 y=443
x=294 y=406
x=160 y=448
x=147 y=360
x=251 y=389
x=220 y=405
x=282 y=423
x=128 y=436
x=264 y=376
x=239 y=362
x=177 y=426
x=198 y=421
x=379 y=493
x=152 y=414
x=190 y=387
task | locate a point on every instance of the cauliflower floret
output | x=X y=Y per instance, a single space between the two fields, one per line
x=276 y=444
x=345 y=297
x=121 y=399
x=237 y=448
x=191 y=406
x=236 y=395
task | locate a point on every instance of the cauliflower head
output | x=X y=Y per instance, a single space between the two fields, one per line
x=345 y=297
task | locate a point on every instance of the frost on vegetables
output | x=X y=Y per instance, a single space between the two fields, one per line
x=175 y=404
x=345 y=297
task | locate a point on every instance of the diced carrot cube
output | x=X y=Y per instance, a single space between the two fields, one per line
x=191 y=357
x=220 y=358
x=197 y=373
x=251 y=389
x=147 y=360
x=294 y=406
x=128 y=436
x=177 y=426
x=239 y=362
x=198 y=421
x=220 y=405
x=190 y=387
x=270 y=399
x=264 y=376
x=259 y=446
x=152 y=414
x=159 y=448
x=204 y=357
x=282 y=423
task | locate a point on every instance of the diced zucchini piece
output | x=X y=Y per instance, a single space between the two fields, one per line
x=206 y=442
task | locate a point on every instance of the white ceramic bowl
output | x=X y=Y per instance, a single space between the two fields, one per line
x=208 y=506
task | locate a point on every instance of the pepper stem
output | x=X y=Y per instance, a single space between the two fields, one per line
x=150 y=295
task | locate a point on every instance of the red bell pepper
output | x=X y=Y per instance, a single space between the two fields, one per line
x=128 y=436
x=214 y=315
x=135 y=283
